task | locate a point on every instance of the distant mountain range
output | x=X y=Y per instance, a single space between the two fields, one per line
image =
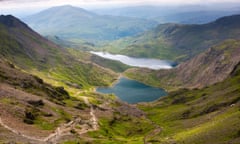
x=73 y=23
x=177 y=41
x=189 y=14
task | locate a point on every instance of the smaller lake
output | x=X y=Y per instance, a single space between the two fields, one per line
x=155 y=64
x=132 y=91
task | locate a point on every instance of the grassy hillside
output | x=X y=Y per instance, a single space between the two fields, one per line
x=205 y=69
x=199 y=116
x=33 y=111
x=35 y=54
x=176 y=41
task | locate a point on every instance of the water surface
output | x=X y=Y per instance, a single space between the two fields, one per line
x=132 y=91
x=138 y=62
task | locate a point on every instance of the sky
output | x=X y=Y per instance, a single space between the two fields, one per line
x=21 y=7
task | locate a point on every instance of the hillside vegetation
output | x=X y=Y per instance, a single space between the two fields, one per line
x=200 y=116
x=33 y=111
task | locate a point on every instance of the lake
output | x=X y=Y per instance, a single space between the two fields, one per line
x=155 y=64
x=132 y=91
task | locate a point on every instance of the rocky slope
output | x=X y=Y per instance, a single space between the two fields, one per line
x=208 y=68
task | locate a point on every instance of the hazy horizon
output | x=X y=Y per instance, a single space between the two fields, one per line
x=23 y=8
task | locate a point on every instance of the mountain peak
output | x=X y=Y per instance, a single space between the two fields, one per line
x=70 y=9
x=11 y=21
x=229 y=20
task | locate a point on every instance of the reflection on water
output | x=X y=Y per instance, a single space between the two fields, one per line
x=138 y=62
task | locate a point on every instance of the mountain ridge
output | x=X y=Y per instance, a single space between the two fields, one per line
x=177 y=41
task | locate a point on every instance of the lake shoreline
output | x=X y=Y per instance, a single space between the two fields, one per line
x=132 y=91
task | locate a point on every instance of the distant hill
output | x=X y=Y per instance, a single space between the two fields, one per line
x=176 y=41
x=73 y=23
x=33 y=53
x=207 y=68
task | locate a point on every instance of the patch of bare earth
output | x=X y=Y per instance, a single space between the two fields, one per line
x=13 y=104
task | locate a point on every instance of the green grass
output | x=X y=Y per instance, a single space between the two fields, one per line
x=122 y=129
x=198 y=116
x=222 y=128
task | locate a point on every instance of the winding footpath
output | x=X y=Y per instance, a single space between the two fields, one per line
x=62 y=130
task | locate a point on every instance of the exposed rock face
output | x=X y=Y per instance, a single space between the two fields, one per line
x=210 y=67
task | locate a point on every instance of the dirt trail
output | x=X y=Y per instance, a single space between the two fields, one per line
x=93 y=118
x=64 y=129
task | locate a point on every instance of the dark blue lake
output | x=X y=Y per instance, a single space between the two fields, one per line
x=132 y=91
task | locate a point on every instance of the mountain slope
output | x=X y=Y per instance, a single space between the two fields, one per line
x=35 y=54
x=200 y=116
x=207 y=68
x=81 y=24
x=178 y=42
x=32 y=111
